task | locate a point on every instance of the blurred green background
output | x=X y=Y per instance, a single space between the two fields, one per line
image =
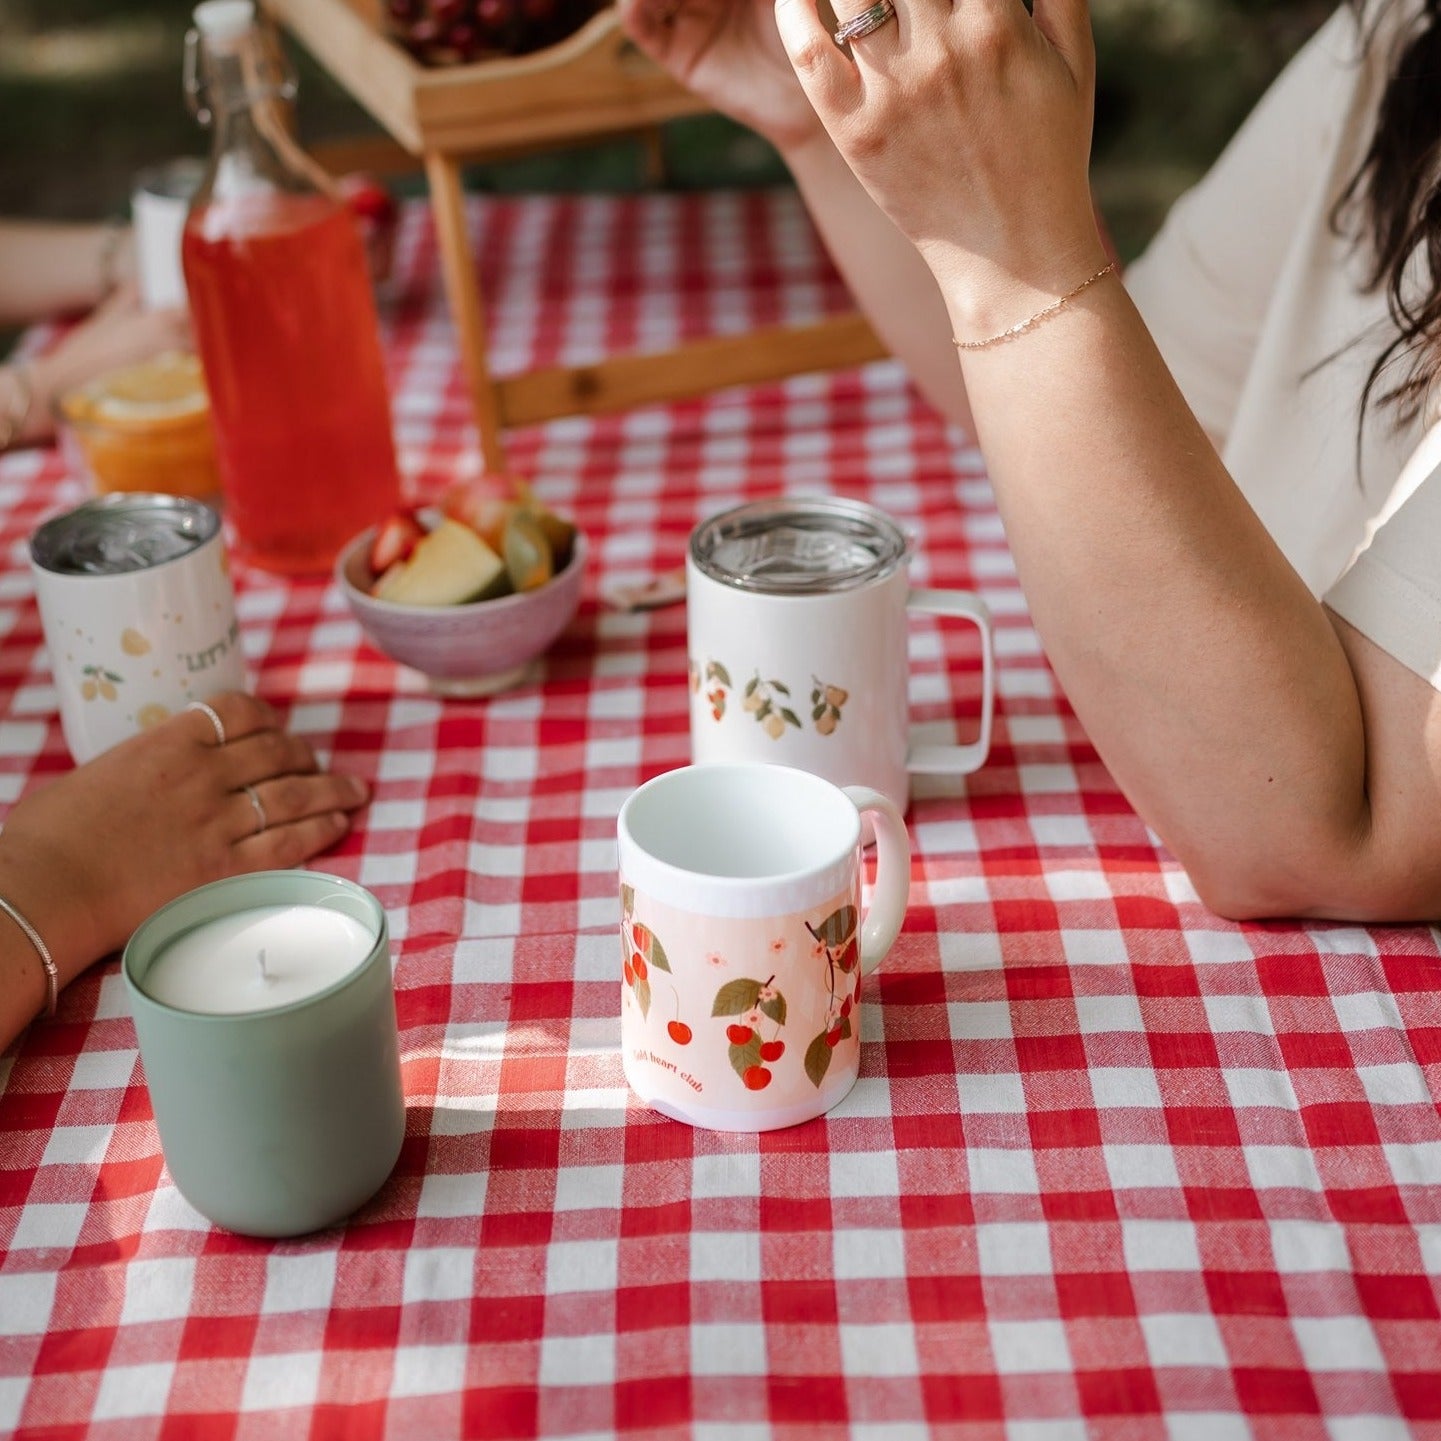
x=90 y=92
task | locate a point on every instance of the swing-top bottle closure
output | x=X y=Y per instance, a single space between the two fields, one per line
x=224 y=29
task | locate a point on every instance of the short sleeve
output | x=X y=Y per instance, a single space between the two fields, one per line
x=1392 y=591
x=1205 y=283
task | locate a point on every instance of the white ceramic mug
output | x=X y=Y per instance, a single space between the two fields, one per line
x=130 y=646
x=744 y=942
x=797 y=634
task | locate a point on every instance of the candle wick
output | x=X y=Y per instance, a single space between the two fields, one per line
x=260 y=961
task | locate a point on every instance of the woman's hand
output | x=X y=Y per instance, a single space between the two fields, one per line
x=969 y=122
x=118 y=332
x=87 y=857
x=728 y=53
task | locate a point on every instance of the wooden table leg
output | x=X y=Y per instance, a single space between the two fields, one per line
x=447 y=199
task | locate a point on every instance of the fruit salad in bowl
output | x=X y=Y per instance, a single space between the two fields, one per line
x=470 y=593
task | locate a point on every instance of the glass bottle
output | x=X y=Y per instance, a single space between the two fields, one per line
x=284 y=314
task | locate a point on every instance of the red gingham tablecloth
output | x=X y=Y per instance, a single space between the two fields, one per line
x=1113 y=1168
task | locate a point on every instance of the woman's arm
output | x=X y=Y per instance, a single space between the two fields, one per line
x=1242 y=726
x=50 y=268
x=883 y=271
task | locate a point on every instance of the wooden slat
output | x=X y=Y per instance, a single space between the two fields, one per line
x=593 y=84
x=463 y=289
x=696 y=368
x=345 y=39
x=594 y=81
x=378 y=154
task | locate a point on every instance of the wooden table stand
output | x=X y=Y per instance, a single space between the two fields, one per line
x=592 y=85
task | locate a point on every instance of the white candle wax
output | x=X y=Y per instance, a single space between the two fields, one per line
x=258 y=960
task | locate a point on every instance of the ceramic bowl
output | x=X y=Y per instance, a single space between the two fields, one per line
x=464 y=650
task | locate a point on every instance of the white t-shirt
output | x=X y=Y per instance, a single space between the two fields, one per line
x=1259 y=308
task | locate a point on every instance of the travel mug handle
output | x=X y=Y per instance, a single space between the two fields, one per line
x=958 y=760
x=887 y=910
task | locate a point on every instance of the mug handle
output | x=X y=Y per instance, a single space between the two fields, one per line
x=887 y=910
x=959 y=760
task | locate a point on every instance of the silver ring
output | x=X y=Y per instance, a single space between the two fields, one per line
x=215 y=720
x=261 y=821
x=868 y=21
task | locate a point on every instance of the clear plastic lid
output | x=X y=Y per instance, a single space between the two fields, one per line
x=120 y=533
x=799 y=546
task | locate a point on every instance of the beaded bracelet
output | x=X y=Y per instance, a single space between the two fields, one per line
x=1045 y=313
x=52 y=971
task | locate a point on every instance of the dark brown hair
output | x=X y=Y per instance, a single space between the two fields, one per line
x=1393 y=206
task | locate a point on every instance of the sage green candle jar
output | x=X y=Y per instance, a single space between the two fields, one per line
x=266 y=1018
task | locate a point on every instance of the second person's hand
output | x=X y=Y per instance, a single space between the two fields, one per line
x=728 y=53
x=118 y=332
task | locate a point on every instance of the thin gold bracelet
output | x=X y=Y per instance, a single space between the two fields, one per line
x=1021 y=327
x=14 y=415
x=52 y=971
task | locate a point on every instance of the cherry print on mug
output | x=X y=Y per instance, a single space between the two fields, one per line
x=753 y=1015
x=640 y=953
x=838 y=939
x=754 y=1002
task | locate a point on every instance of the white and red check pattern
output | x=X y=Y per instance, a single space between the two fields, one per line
x=1113 y=1167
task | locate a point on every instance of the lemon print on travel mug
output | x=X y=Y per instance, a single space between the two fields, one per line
x=138 y=611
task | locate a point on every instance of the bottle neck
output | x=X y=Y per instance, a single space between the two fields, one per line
x=245 y=94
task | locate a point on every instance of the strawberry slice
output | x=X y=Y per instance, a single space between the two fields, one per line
x=378 y=215
x=395 y=538
x=368 y=198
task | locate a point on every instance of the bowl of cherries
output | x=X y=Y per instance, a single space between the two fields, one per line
x=456 y=32
x=470 y=593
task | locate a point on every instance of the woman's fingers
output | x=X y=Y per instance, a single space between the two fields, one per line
x=1067 y=25
x=263 y=754
x=268 y=781
x=284 y=846
x=276 y=780
x=649 y=23
x=267 y=805
x=827 y=74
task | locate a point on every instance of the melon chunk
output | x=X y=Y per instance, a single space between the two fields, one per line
x=450 y=565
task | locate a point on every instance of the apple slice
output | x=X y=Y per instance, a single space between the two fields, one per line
x=450 y=565
x=472 y=499
x=395 y=538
